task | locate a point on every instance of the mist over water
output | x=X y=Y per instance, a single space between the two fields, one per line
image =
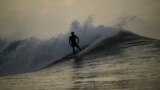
x=118 y=50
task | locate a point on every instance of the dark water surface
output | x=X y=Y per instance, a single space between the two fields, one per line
x=130 y=65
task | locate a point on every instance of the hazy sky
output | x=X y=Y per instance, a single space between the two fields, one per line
x=45 y=18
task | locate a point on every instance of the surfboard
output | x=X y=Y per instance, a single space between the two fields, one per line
x=74 y=55
x=71 y=56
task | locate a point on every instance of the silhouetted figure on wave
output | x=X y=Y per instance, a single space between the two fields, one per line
x=74 y=41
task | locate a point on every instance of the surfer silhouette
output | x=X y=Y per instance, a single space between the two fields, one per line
x=74 y=41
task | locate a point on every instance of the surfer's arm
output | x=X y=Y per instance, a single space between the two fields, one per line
x=77 y=39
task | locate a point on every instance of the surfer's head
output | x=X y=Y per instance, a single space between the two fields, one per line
x=72 y=33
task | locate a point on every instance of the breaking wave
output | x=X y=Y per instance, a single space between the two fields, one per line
x=34 y=54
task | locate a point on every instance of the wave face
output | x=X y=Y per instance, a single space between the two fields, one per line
x=104 y=47
x=34 y=54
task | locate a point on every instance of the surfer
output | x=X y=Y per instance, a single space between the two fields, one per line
x=74 y=41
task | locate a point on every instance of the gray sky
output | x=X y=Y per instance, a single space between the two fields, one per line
x=21 y=19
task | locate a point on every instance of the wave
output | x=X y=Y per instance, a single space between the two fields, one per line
x=34 y=54
x=123 y=39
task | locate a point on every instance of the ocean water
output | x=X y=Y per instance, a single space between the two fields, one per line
x=125 y=62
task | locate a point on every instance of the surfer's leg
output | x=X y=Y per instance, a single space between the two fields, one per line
x=78 y=47
x=73 y=49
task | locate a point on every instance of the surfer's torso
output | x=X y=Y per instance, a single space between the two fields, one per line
x=73 y=39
